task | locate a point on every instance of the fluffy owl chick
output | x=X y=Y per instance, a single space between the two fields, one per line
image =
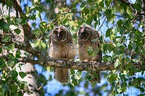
x=89 y=38
x=62 y=47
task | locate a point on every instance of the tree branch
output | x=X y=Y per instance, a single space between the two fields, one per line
x=138 y=14
x=22 y=46
x=83 y=66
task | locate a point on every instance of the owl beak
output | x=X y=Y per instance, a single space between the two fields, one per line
x=58 y=35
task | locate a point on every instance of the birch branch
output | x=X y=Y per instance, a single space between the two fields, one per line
x=84 y=66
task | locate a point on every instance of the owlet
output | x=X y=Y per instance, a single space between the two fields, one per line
x=62 y=47
x=89 y=38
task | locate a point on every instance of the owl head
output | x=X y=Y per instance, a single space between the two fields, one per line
x=60 y=33
x=87 y=33
x=84 y=32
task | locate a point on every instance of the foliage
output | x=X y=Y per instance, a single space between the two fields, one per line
x=120 y=23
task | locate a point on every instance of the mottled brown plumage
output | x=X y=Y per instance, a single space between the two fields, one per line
x=89 y=37
x=62 y=47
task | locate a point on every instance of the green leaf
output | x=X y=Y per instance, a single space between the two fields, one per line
x=50 y=78
x=2 y=61
x=123 y=85
x=36 y=32
x=14 y=89
x=128 y=10
x=11 y=47
x=10 y=62
x=5 y=25
x=90 y=51
x=2 y=64
x=116 y=63
x=110 y=17
x=5 y=38
x=22 y=74
x=122 y=30
x=119 y=89
x=33 y=24
x=18 y=53
x=112 y=77
x=18 y=20
x=89 y=20
x=14 y=74
x=18 y=31
x=118 y=44
x=16 y=60
x=72 y=71
x=88 y=75
x=86 y=10
x=74 y=81
x=43 y=45
x=93 y=84
x=133 y=45
x=118 y=39
x=42 y=79
x=79 y=74
x=119 y=23
x=11 y=56
x=20 y=93
x=39 y=8
x=42 y=23
x=86 y=85
x=5 y=87
x=94 y=40
x=108 y=32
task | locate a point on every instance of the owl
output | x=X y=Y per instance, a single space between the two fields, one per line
x=89 y=38
x=62 y=47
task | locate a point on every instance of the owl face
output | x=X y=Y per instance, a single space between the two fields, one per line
x=59 y=33
x=84 y=33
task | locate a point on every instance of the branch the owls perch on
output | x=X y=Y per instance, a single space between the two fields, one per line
x=76 y=65
x=84 y=66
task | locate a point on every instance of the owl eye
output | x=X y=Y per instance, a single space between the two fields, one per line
x=55 y=32
x=62 y=33
x=85 y=34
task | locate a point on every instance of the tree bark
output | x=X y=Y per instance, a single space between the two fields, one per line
x=27 y=67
